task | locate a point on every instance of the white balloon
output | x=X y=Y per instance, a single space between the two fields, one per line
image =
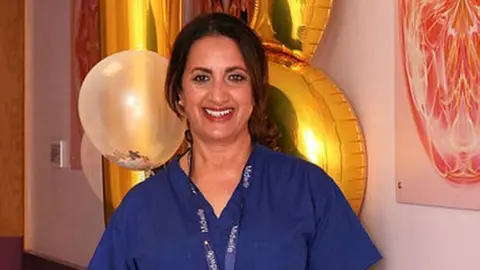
x=124 y=113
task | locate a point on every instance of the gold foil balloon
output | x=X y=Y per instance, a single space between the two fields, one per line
x=140 y=24
x=318 y=124
x=315 y=118
x=134 y=24
x=291 y=26
x=123 y=113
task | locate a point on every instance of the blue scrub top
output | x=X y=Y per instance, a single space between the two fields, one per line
x=293 y=217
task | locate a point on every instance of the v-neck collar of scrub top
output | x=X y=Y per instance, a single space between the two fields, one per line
x=231 y=212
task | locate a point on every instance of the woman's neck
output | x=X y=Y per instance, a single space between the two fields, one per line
x=208 y=156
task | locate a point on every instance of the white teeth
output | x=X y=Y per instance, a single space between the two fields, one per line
x=218 y=113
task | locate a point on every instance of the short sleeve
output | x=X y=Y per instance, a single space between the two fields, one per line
x=340 y=241
x=111 y=252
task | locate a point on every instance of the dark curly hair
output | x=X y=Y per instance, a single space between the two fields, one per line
x=261 y=129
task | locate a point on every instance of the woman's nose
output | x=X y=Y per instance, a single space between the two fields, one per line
x=219 y=91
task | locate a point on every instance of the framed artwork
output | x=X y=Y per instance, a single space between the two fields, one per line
x=437 y=104
x=85 y=53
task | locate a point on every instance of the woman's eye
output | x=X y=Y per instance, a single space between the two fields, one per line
x=236 y=77
x=200 y=78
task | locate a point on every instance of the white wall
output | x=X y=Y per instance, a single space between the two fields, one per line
x=65 y=216
x=359 y=52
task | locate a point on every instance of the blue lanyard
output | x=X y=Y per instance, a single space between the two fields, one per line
x=231 y=252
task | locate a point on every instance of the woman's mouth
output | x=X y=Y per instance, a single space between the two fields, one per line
x=218 y=114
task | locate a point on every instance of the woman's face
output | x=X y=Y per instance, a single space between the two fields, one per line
x=216 y=90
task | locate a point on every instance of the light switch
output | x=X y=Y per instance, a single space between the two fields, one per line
x=57 y=154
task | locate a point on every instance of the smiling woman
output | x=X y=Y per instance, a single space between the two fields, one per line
x=221 y=80
x=216 y=95
x=231 y=202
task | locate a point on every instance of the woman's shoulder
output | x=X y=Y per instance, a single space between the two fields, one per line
x=285 y=158
x=294 y=167
x=147 y=197
x=152 y=187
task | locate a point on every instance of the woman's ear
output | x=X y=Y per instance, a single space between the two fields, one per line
x=180 y=98
x=181 y=105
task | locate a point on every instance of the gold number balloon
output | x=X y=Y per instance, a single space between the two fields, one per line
x=127 y=25
x=313 y=114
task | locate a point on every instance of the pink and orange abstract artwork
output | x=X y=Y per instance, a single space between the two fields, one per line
x=437 y=99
